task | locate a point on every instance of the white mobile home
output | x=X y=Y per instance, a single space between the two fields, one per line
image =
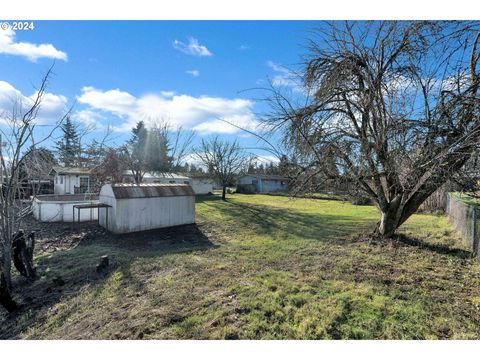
x=70 y=180
x=146 y=206
x=259 y=183
x=200 y=185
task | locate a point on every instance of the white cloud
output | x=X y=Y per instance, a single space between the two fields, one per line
x=32 y=52
x=117 y=102
x=194 y=73
x=89 y=118
x=193 y=159
x=223 y=126
x=283 y=77
x=52 y=107
x=267 y=159
x=244 y=47
x=198 y=113
x=167 y=93
x=192 y=48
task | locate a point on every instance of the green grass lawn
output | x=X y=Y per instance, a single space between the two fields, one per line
x=466 y=198
x=273 y=268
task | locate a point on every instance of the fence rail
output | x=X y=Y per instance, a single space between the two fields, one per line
x=465 y=218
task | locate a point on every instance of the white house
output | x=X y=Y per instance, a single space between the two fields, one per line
x=259 y=183
x=142 y=207
x=200 y=185
x=70 y=180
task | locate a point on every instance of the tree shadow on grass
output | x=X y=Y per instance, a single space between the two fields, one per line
x=284 y=223
x=287 y=223
x=63 y=273
x=436 y=248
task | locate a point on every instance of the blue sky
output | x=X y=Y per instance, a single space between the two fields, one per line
x=118 y=72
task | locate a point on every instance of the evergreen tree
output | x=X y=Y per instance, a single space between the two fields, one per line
x=68 y=148
x=136 y=148
x=261 y=169
x=284 y=166
x=157 y=150
x=271 y=169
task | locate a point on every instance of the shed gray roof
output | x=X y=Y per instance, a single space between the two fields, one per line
x=132 y=191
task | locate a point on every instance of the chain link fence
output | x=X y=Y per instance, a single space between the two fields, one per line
x=465 y=218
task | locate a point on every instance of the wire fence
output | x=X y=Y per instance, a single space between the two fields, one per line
x=465 y=218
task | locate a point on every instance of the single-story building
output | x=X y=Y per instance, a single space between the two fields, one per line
x=70 y=180
x=142 y=207
x=259 y=183
x=200 y=185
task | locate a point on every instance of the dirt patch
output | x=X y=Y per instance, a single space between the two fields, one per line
x=53 y=237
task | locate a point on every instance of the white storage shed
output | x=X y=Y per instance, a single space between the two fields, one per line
x=146 y=206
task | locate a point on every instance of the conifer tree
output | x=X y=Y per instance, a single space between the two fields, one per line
x=68 y=147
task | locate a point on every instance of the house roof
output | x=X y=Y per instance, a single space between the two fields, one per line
x=268 y=177
x=71 y=170
x=132 y=191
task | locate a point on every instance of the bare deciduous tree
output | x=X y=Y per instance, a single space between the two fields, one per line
x=395 y=102
x=226 y=160
x=18 y=135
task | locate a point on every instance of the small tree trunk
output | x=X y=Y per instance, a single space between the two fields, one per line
x=224 y=192
x=5 y=297
x=7 y=265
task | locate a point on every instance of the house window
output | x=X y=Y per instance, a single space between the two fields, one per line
x=61 y=179
x=171 y=182
x=186 y=182
x=84 y=184
x=254 y=182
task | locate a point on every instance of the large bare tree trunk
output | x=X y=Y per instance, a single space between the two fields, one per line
x=387 y=225
x=397 y=212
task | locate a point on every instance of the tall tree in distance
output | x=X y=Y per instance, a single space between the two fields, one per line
x=396 y=105
x=225 y=160
x=135 y=150
x=158 y=149
x=68 y=147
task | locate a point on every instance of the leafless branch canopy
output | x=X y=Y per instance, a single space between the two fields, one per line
x=226 y=160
